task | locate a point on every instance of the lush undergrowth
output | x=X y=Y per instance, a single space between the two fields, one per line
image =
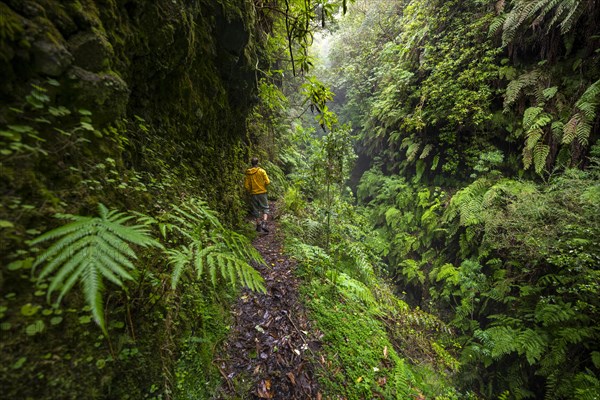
x=478 y=127
x=374 y=344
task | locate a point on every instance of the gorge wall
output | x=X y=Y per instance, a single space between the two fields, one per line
x=130 y=103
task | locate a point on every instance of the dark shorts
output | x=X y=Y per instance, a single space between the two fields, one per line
x=259 y=204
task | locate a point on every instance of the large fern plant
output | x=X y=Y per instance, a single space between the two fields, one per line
x=530 y=13
x=88 y=250
x=209 y=248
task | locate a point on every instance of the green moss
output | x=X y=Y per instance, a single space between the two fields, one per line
x=86 y=12
x=361 y=361
x=11 y=24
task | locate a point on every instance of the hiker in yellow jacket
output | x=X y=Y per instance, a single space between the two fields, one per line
x=256 y=182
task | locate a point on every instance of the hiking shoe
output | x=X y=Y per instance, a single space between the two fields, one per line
x=264 y=227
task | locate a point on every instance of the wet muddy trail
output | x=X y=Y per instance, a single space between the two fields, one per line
x=269 y=350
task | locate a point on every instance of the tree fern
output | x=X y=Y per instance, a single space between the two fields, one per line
x=88 y=250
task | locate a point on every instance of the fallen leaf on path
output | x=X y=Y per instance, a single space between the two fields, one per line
x=264 y=389
x=292 y=378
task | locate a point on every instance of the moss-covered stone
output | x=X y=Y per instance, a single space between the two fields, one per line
x=91 y=50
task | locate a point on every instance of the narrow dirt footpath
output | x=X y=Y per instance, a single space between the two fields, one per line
x=267 y=353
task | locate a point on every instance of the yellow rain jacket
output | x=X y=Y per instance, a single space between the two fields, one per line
x=256 y=180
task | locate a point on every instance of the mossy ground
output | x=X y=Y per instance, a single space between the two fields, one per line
x=359 y=360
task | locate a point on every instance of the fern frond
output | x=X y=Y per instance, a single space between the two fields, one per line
x=496 y=24
x=192 y=217
x=516 y=86
x=533 y=137
x=576 y=10
x=540 y=155
x=92 y=290
x=532 y=344
x=467 y=203
x=502 y=340
x=583 y=133
x=232 y=267
x=352 y=288
x=522 y=11
x=568 y=12
x=179 y=259
x=580 y=124
x=411 y=152
x=88 y=250
x=426 y=151
x=587 y=385
x=549 y=314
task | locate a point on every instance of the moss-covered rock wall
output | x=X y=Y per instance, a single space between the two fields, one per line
x=137 y=105
x=185 y=68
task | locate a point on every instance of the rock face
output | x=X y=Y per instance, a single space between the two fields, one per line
x=91 y=50
x=187 y=69
x=135 y=104
x=142 y=44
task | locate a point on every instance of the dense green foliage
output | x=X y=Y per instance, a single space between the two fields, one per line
x=423 y=82
x=462 y=264
x=456 y=104
x=372 y=339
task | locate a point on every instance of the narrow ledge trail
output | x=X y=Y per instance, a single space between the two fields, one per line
x=268 y=352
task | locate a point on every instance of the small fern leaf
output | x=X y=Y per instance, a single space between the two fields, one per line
x=179 y=259
x=92 y=289
x=540 y=155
